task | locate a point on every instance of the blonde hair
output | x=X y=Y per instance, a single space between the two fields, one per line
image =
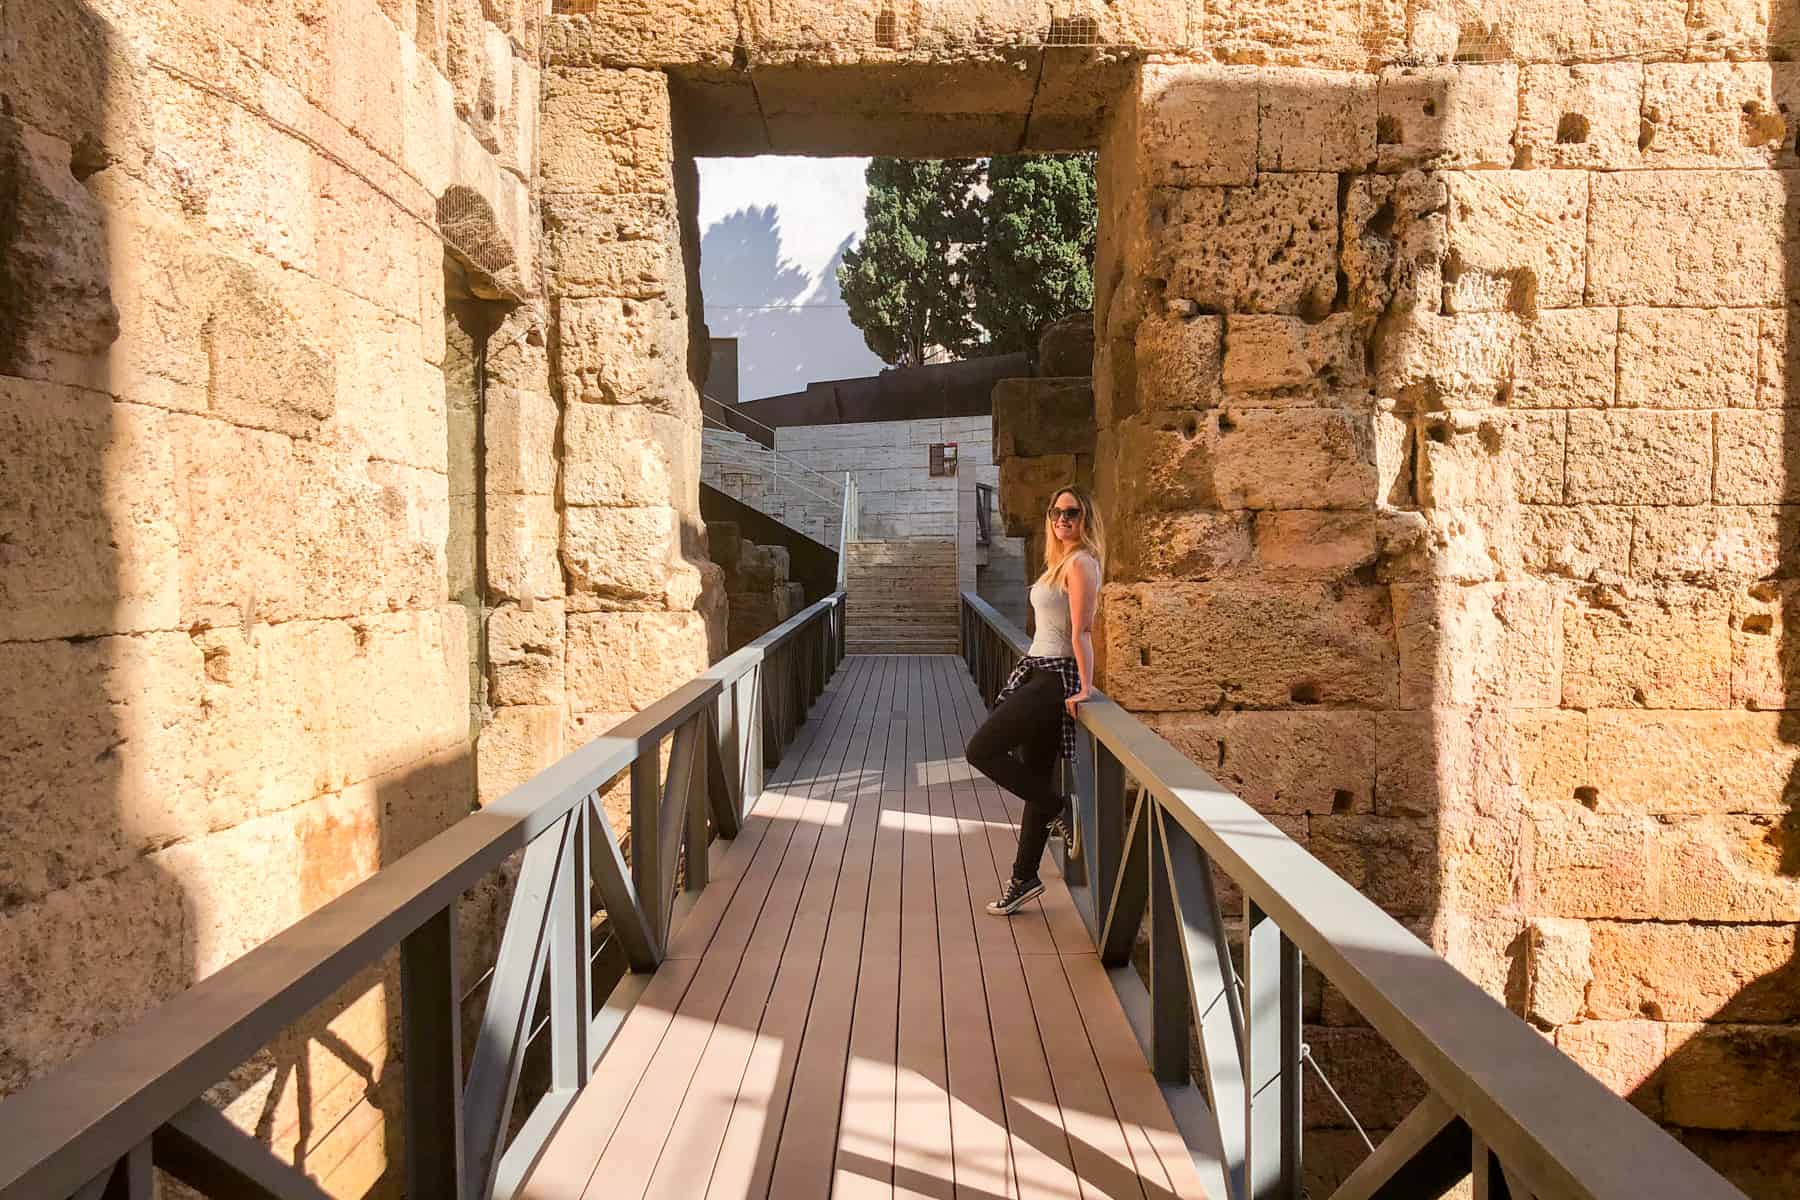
x=1093 y=539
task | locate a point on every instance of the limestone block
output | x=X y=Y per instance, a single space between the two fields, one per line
x=59 y=297
x=1239 y=644
x=805 y=32
x=517 y=742
x=1687 y=357
x=1167 y=25
x=1578 y=542
x=1268 y=247
x=1038 y=417
x=1182 y=545
x=1164 y=462
x=1179 y=360
x=1486 y=461
x=525 y=654
x=1732 y=1077
x=1286 y=359
x=619 y=553
x=1641 y=458
x=1395 y=233
x=1764 y=672
x=1715 y=114
x=86 y=513
x=1198 y=126
x=1294 y=458
x=1282 y=762
x=1728 y=868
x=1551 y=31
x=1316 y=121
x=1757 y=1164
x=611 y=246
x=1296 y=34
x=1624 y=1055
x=1663 y=648
x=1390 y=860
x=399 y=692
x=625 y=352
x=646 y=33
x=628 y=455
x=1758 y=452
x=1694 y=972
x=522 y=533
x=1778 y=360
x=1303 y=542
x=130 y=927
x=1487 y=644
x=1518 y=240
x=760 y=568
x=606 y=132
x=1558 y=970
x=1713 y=543
x=1581 y=116
x=1450 y=116
x=365 y=244
x=1027 y=484
x=630 y=660
x=1675 y=238
x=1586 y=864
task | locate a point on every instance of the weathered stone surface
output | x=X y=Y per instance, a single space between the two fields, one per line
x=1066 y=347
x=1291 y=32
x=1294 y=458
x=1551 y=30
x=1581 y=116
x=1314 y=542
x=520 y=427
x=1641 y=458
x=1694 y=972
x=1765 y=671
x=1395 y=232
x=1667 y=648
x=1027 y=484
x=1039 y=417
x=525 y=654
x=1260 y=647
x=1518 y=240
x=1488 y=644
x=1198 y=126
x=1778 y=369
x=627 y=456
x=1453 y=116
x=1178 y=363
x=1732 y=1077
x=1718 y=114
x=606 y=132
x=1587 y=864
x=1287 y=359
x=1728 y=868
x=86 y=515
x=1565 y=358
x=1675 y=238
x=1558 y=970
x=1759 y=453
x=1578 y=541
x=618 y=246
x=1761 y=1165
x=646 y=33
x=625 y=352
x=1392 y=861
x=621 y=661
x=1192 y=545
x=1270 y=246
x=522 y=536
x=1283 y=762
x=1688 y=762
x=1316 y=121
x=1687 y=357
x=517 y=742
x=1469 y=460
x=1714 y=543
x=1624 y=1055
x=619 y=553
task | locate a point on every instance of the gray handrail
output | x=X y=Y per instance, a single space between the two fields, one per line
x=1554 y=1130
x=133 y=1097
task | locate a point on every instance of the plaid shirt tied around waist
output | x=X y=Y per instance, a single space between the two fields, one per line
x=1070 y=675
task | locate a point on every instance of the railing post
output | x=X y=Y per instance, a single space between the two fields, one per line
x=431 y=1040
x=769 y=714
x=751 y=728
x=1106 y=842
x=1171 y=1002
x=646 y=839
x=1272 y=1062
x=697 y=835
x=571 y=936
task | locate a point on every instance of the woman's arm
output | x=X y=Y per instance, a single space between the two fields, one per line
x=1083 y=596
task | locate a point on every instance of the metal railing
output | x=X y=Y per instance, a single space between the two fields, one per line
x=849 y=522
x=984 y=514
x=1502 y=1104
x=95 y=1127
x=804 y=478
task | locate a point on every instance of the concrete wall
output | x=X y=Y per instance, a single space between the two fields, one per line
x=891 y=462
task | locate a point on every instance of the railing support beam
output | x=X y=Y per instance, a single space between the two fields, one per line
x=431 y=1039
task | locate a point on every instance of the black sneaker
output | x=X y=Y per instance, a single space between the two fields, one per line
x=1018 y=893
x=1059 y=829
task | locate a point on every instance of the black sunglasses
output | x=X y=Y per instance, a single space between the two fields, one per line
x=1065 y=514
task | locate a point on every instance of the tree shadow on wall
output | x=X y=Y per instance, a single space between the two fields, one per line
x=790 y=333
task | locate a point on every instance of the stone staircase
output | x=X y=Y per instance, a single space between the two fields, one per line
x=902 y=597
x=771 y=483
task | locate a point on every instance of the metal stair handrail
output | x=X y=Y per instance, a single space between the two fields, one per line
x=780 y=460
x=1502 y=1102
x=99 y=1125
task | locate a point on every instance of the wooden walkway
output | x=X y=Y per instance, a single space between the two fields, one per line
x=839 y=1017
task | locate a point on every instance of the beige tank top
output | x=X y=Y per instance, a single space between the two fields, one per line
x=1053 y=638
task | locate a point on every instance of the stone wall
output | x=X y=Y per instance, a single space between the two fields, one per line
x=1441 y=425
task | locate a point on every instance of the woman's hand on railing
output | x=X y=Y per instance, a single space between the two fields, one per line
x=1074 y=702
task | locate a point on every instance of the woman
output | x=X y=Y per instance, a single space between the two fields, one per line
x=1035 y=711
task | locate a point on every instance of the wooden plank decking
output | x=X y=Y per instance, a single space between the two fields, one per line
x=839 y=1017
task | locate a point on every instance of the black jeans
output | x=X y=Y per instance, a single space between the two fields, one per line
x=1031 y=720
